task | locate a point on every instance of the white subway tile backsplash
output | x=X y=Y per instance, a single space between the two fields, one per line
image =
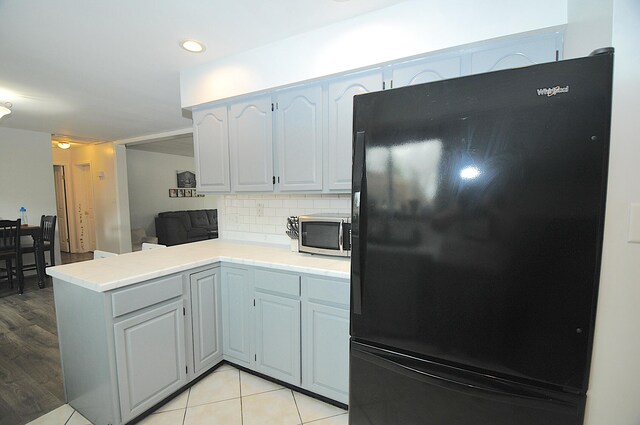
x=239 y=214
x=305 y=203
x=321 y=203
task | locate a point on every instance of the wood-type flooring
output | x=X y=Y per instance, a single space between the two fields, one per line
x=30 y=373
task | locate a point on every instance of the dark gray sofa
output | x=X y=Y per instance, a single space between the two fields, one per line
x=178 y=227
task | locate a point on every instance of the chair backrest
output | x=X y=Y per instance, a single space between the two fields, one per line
x=103 y=254
x=10 y=235
x=148 y=245
x=48 y=228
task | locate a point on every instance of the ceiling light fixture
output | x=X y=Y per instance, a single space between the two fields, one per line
x=192 y=46
x=4 y=109
x=64 y=145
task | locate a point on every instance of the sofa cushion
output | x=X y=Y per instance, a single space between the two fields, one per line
x=198 y=218
x=183 y=216
x=197 y=233
x=213 y=217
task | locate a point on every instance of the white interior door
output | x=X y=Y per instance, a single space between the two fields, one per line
x=84 y=218
x=61 y=207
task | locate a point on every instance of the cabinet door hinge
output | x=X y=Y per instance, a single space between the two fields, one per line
x=383 y=85
x=272 y=107
x=255 y=357
x=186 y=369
x=184 y=311
x=254 y=302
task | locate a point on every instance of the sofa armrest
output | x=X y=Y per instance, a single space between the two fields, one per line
x=170 y=231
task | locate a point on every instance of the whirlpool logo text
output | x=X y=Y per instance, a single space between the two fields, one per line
x=552 y=91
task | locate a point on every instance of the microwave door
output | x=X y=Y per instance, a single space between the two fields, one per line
x=323 y=237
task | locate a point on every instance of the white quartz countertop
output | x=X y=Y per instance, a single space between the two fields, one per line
x=105 y=274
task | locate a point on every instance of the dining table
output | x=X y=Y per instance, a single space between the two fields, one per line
x=36 y=235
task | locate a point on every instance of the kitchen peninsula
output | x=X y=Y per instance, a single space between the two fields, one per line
x=136 y=328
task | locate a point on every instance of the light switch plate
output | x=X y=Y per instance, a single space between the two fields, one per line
x=634 y=223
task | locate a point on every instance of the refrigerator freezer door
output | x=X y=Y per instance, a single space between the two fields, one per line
x=480 y=221
x=389 y=388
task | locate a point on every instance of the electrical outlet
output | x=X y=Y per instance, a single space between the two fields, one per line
x=260 y=209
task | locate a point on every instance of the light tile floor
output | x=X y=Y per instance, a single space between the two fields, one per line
x=227 y=396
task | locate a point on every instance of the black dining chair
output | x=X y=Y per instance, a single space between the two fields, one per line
x=10 y=250
x=48 y=237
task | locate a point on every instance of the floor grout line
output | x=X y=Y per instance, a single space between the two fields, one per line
x=186 y=407
x=296 y=403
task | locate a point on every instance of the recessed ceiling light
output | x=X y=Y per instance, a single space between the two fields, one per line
x=192 y=46
x=64 y=145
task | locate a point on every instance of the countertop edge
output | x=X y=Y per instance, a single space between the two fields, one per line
x=88 y=274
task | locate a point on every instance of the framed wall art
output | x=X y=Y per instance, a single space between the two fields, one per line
x=186 y=179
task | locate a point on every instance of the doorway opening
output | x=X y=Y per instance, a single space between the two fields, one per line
x=61 y=207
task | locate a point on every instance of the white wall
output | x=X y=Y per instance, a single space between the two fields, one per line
x=150 y=176
x=26 y=176
x=407 y=29
x=110 y=228
x=239 y=218
x=614 y=394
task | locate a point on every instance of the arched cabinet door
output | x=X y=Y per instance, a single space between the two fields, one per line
x=517 y=53
x=211 y=149
x=425 y=71
x=299 y=138
x=340 y=136
x=251 y=144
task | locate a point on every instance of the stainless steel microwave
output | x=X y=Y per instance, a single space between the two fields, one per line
x=328 y=234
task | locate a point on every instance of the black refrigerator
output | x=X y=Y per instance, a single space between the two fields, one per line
x=478 y=211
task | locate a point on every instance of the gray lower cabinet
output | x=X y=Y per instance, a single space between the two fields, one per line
x=325 y=346
x=237 y=301
x=126 y=350
x=150 y=357
x=206 y=319
x=277 y=325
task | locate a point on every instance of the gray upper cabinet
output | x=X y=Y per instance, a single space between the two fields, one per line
x=150 y=357
x=251 y=145
x=425 y=71
x=340 y=128
x=516 y=53
x=211 y=149
x=310 y=126
x=206 y=319
x=299 y=139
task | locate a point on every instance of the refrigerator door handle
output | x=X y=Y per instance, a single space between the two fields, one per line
x=358 y=222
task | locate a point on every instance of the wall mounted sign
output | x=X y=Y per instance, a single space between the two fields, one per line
x=186 y=179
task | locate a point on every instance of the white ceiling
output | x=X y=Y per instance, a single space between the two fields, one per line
x=174 y=145
x=109 y=69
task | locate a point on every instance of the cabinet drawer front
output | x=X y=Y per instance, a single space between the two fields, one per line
x=282 y=283
x=328 y=290
x=144 y=295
